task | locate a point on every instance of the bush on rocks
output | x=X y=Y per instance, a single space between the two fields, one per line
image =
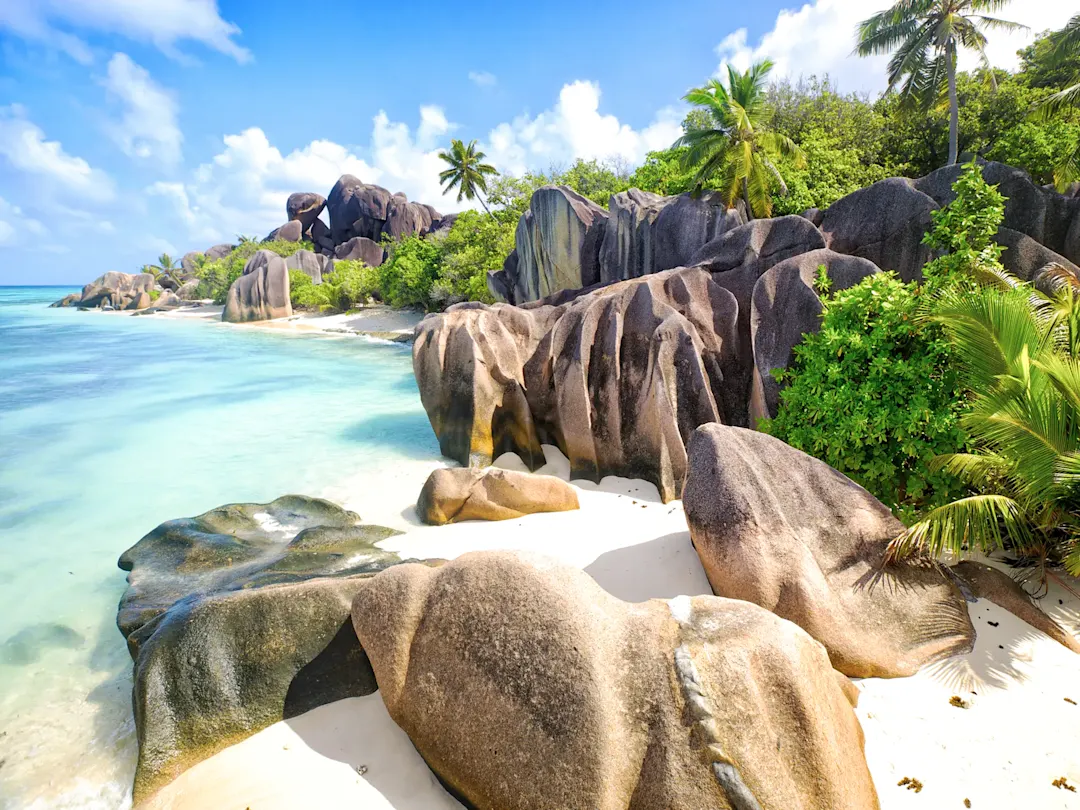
x=216 y=277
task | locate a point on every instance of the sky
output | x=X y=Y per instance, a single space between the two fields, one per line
x=129 y=128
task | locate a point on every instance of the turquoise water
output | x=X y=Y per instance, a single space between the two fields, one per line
x=110 y=425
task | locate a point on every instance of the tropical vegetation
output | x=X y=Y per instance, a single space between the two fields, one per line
x=468 y=172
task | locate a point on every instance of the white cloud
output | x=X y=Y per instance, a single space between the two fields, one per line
x=148 y=127
x=24 y=146
x=482 y=78
x=14 y=224
x=819 y=38
x=573 y=129
x=163 y=23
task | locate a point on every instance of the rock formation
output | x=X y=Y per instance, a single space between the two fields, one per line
x=463 y=493
x=778 y=528
x=358 y=209
x=617 y=378
x=113 y=290
x=360 y=247
x=238 y=618
x=291 y=231
x=785 y=308
x=261 y=293
x=314 y=265
x=627 y=250
x=525 y=686
x=304 y=207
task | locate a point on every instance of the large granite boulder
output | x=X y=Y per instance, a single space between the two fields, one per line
x=357 y=209
x=261 y=293
x=189 y=263
x=885 y=223
x=778 y=528
x=525 y=686
x=305 y=207
x=1051 y=219
x=784 y=308
x=762 y=243
x=628 y=250
x=321 y=238
x=239 y=618
x=140 y=300
x=686 y=223
x=466 y=493
x=404 y=218
x=558 y=244
x=1024 y=257
x=189 y=290
x=312 y=264
x=291 y=231
x=115 y=289
x=219 y=252
x=617 y=378
x=360 y=247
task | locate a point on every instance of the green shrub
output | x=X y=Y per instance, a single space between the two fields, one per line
x=407 y=276
x=353 y=282
x=874 y=394
x=216 y=277
x=155 y=295
x=476 y=245
x=306 y=294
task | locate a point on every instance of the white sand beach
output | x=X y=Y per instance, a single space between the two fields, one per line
x=375 y=320
x=1016 y=736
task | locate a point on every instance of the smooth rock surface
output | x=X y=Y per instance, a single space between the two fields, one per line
x=291 y=231
x=369 y=252
x=304 y=206
x=464 y=493
x=778 y=528
x=261 y=293
x=524 y=685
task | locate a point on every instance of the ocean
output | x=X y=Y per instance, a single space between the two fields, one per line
x=110 y=425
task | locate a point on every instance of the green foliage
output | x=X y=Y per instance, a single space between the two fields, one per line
x=1019 y=355
x=873 y=394
x=155 y=295
x=474 y=246
x=216 y=277
x=408 y=275
x=964 y=231
x=595 y=180
x=467 y=171
x=664 y=172
x=737 y=151
x=351 y=284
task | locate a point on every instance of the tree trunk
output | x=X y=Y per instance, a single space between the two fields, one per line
x=481 y=199
x=954 y=108
x=746 y=199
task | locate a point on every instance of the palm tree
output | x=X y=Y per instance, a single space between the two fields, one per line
x=467 y=171
x=924 y=37
x=1019 y=352
x=736 y=144
x=1066 y=44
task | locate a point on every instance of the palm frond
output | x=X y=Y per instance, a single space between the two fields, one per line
x=973 y=523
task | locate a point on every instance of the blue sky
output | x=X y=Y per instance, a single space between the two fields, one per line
x=132 y=127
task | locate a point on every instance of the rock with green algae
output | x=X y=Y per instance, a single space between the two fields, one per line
x=239 y=618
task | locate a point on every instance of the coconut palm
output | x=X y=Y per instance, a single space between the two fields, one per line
x=924 y=37
x=1019 y=352
x=736 y=144
x=467 y=171
x=1066 y=44
x=165 y=262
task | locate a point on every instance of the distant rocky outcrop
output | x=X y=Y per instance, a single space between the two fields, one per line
x=238 y=618
x=525 y=686
x=261 y=293
x=617 y=378
x=359 y=209
x=778 y=528
x=113 y=290
x=463 y=493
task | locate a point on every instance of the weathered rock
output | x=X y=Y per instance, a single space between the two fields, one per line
x=360 y=247
x=261 y=293
x=986 y=582
x=627 y=250
x=778 y=528
x=525 y=686
x=356 y=209
x=784 y=308
x=292 y=231
x=763 y=243
x=168 y=282
x=167 y=300
x=139 y=300
x=321 y=238
x=239 y=618
x=189 y=263
x=815 y=215
x=441 y=224
x=69 y=300
x=558 y=243
x=404 y=218
x=686 y=223
x=305 y=207
x=884 y=223
x=617 y=377
x=1049 y=218
x=112 y=287
x=463 y=493
x=219 y=252
x=1024 y=257
x=189 y=290
x=312 y=264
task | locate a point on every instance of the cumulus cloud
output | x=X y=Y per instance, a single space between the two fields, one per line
x=26 y=149
x=14 y=224
x=819 y=38
x=482 y=78
x=148 y=127
x=575 y=128
x=163 y=23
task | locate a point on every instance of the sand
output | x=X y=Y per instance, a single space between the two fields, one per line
x=374 y=321
x=1017 y=735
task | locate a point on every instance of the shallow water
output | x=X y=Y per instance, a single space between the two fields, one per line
x=110 y=425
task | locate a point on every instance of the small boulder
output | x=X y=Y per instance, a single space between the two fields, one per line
x=312 y=264
x=219 y=252
x=467 y=493
x=1024 y=257
x=188 y=264
x=305 y=207
x=139 y=301
x=366 y=250
x=292 y=231
x=189 y=290
x=778 y=528
x=763 y=243
x=261 y=293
